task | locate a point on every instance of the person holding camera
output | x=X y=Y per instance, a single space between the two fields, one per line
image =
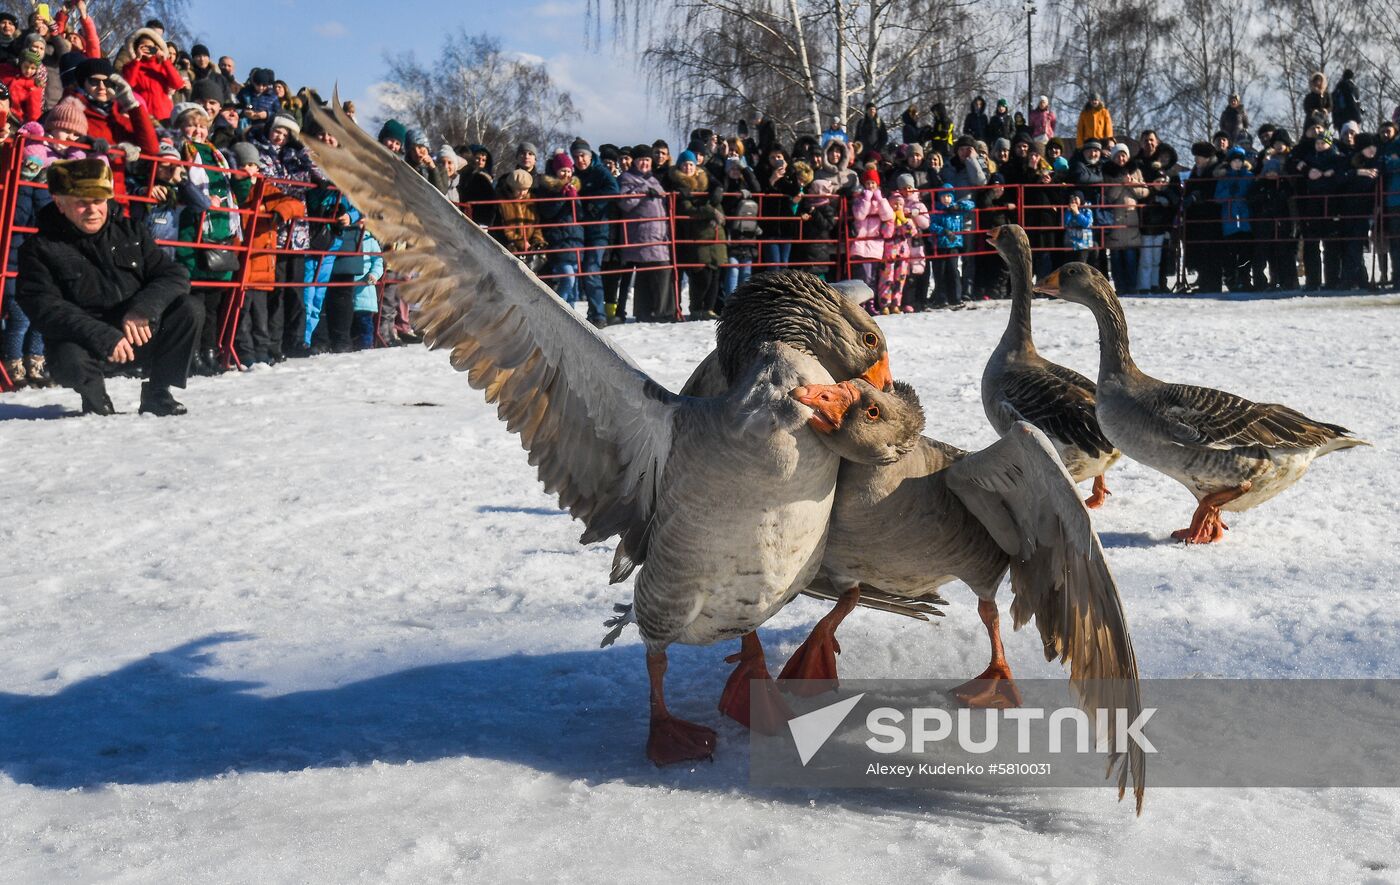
x=145 y=63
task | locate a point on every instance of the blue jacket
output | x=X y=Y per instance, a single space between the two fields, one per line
x=1233 y=193
x=1390 y=171
x=946 y=224
x=1079 y=228
x=596 y=181
x=362 y=267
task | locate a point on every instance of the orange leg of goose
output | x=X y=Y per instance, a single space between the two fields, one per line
x=671 y=739
x=1206 y=525
x=995 y=687
x=765 y=712
x=812 y=668
x=1099 y=495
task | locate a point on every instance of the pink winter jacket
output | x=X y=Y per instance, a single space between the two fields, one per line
x=868 y=212
x=1043 y=123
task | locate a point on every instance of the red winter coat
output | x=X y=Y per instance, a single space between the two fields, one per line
x=26 y=96
x=152 y=79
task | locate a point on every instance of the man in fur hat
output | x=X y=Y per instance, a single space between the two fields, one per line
x=100 y=290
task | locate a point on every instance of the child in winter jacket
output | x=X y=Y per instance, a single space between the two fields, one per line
x=816 y=229
x=947 y=221
x=261 y=322
x=365 y=268
x=869 y=211
x=899 y=232
x=1232 y=191
x=1079 y=227
x=916 y=289
x=22 y=78
x=21 y=345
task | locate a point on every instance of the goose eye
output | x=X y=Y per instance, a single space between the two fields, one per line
x=872 y=340
x=873 y=413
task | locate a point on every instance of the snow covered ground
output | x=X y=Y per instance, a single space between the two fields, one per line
x=328 y=628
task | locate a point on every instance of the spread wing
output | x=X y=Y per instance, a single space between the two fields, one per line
x=598 y=430
x=1060 y=402
x=1203 y=416
x=1021 y=492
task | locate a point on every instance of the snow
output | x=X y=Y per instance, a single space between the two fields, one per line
x=328 y=628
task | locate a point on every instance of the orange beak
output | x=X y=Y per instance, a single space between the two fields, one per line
x=1050 y=285
x=829 y=403
x=878 y=376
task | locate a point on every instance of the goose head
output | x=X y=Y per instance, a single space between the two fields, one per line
x=863 y=424
x=1080 y=283
x=1011 y=241
x=802 y=311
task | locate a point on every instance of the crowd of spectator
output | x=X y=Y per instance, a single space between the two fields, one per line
x=203 y=158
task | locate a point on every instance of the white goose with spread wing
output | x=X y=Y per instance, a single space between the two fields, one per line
x=723 y=503
x=1231 y=453
x=1019 y=384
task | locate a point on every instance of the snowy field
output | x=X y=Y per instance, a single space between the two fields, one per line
x=328 y=628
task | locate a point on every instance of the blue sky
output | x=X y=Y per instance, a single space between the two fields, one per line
x=318 y=43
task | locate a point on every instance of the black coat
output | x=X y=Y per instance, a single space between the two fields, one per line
x=76 y=286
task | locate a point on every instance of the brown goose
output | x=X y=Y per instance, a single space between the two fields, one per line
x=723 y=503
x=1231 y=453
x=1019 y=384
x=971 y=516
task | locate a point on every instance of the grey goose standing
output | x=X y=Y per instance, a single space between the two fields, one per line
x=723 y=502
x=1231 y=453
x=1018 y=384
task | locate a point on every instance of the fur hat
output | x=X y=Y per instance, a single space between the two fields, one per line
x=88 y=179
x=244 y=154
x=263 y=77
x=68 y=115
x=289 y=123
x=641 y=150
x=1203 y=149
x=1282 y=137
x=392 y=130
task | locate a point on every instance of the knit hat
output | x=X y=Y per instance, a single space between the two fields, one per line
x=608 y=152
x=413 y=137
x=1120 y=148
x=1092 y=146
x=1324 y=135
x=996 y=178
x=199 y=49
x=9 y=17
x=447 y=153
x=1236 y=153
x=1001 y=144
x=1060 y=164
x=1076 y=195
x=283 y=121
x=526 y=147
x=183 y=108
x=685 y=157
x=904 y=181
x=580 y=145
x=1350 y=126
x=1001 y=103
x=1282 y=137
x=67 y=115
x=168 y=150
x=1044 y=99
x=559 y=161
x=31 y=56
x=244 y=154
x=86 y=179
x=965 y=141
x=392 y=130
x=870 y=175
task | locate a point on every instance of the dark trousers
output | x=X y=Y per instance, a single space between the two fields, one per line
x=947 y=282
x=166 y=356
x=287 y=315
x=704 y=288
x=616 y=287
x=212 y=298
x=337 y=315
x=362 y=330
x=916 y=290
x=254 y=341
x=653 y=296
x=1205 y=258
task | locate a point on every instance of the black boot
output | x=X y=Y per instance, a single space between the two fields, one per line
x=97 y=402
x=158 y=401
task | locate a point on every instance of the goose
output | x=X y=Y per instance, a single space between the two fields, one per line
x=1231 y=453
x=974 y=517
x=721 y=504
x=1019 y=384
